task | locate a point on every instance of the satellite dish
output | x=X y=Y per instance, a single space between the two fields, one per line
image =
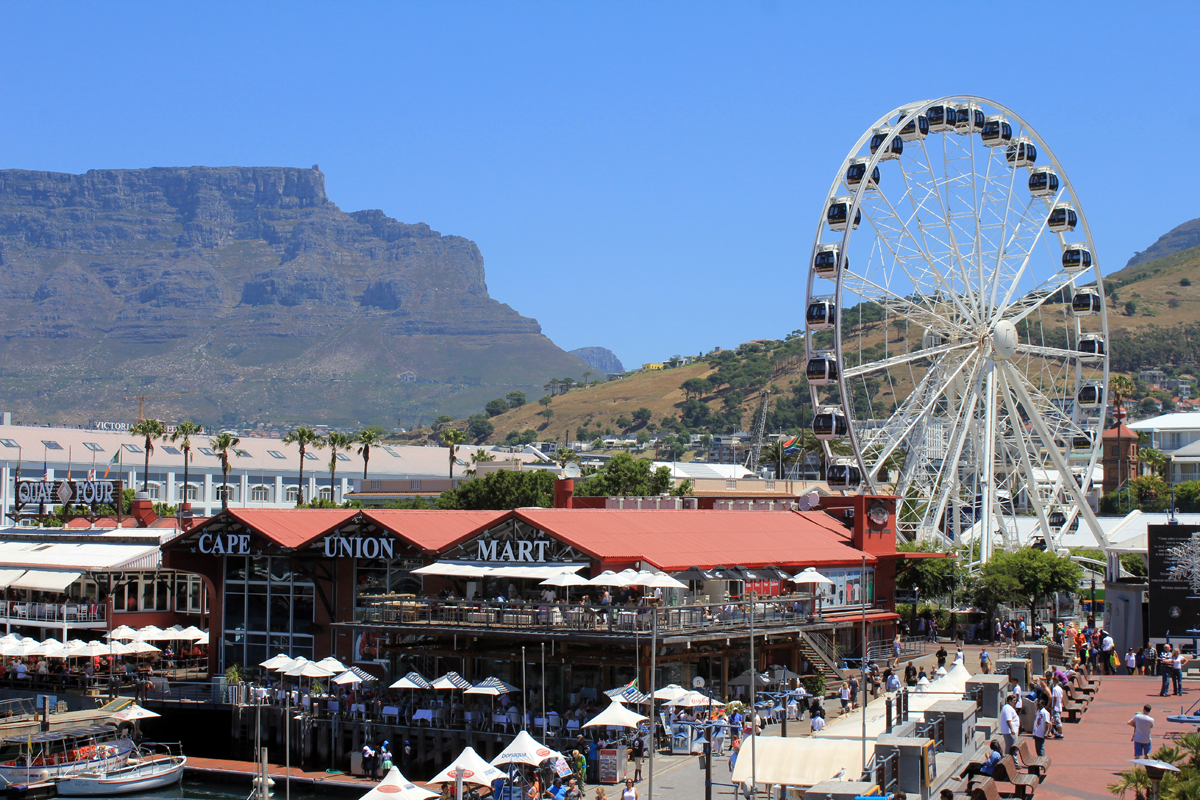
x=697 y=682
x=571 y=470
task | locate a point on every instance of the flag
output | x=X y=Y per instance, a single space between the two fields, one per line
x=45 y=472
x=116 y=459
x=792 y=445
x=631 y=685
x=91 y=475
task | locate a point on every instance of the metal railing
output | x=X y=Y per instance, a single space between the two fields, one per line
x=52 y=612
x=934 y=729
x=822 y=646
x=601 y=619
x=887 y=770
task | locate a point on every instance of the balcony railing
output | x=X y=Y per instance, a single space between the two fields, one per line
x=52 y=612
x=591 y=619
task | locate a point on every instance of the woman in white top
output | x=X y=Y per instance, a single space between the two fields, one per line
x=630 y=792
x=844 y=696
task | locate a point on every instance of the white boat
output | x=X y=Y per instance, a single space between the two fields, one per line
x=146 y=769
x=40 y=757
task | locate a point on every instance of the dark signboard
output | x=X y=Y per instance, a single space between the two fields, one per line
x=1174 y=608
x=43 y=496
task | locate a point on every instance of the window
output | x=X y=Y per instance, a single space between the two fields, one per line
x=155 y=491
x=416 y=486
x=225 y=492
x=52 y=445
x=9 y=442
x=260 y=494
x=276 y=454
x=343 y=457
x=376 y=485
x=266 y=604
x=171 y=450
x=390 y=451
x=326 y=493
x=770 y=484
x=191 y=491
x=95 y=448
x=242 y=453
x=208 y=451
x=293 y=494
x=132 y=448
x=311 y=456
x=730 y=484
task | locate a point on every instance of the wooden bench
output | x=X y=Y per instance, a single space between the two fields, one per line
x=1036 y=764
x=1023 y=782
x=1071 y=712
x=983 y=790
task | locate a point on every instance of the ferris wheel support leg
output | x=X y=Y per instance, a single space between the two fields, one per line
x=1060 y=463
x=1026 y=467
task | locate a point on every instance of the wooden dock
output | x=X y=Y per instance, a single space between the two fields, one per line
x=241 y=773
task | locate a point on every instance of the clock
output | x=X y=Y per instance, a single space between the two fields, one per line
x=877 y=514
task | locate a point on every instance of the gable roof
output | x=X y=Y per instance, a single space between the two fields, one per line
x=675 y=540
x=287 y=527
x=434 y=530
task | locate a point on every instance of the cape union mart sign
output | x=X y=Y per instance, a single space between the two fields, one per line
x=88 y=493
x=238 y=544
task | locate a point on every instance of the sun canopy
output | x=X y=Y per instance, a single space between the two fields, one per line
x=309 y=669
x=693 y=700
x=566 y=579
x=395 y=786
x=275 y=661
x=491 y=686
x=472 y=768
x=707 y=574
x=332 y=664
x=797 y=761
x=628 y=694
x=488 y=569
x=44 y=580
x=810 y=575
x=451 y=680
x=413 y=680
x=617 y=716
x=133 y=712
x=744 y=679
x=7 y=576
x=121 y=632
x=525 y=750
x=353 y=675
x=670 y=692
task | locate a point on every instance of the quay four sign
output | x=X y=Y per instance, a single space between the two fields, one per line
x=87 y=493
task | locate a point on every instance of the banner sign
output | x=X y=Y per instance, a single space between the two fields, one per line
x=1173 y=606
x=58 y=493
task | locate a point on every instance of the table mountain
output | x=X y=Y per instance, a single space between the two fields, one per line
x=250 y=288
x=1182 y=237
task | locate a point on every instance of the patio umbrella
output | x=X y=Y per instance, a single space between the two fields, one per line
x=395 y=786
x=628 y=694
x=141 y=649
x=275 y=661
x=332 y=664
x=151 y=633
x=194 y=633
x=121 y=632
x=52 y=649
x=413 y=680
x=781 y=674
x=353 y=675
x=744 y=679
x=452 y=681
x=524 y=749
x=566 y=580
x=670 y=692
x=133 y=712
x=471 y=768
x=309 y=669
x=114 y=648
x=291 y=663
x=810 y=575
x=617 y=716
x=661 y=580
x=607 y=578
x=692 y=700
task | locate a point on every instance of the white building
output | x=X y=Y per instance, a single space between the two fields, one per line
x=263 y=473
x=1177 y=435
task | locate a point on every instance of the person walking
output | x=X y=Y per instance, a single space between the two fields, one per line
x=639 y=751
x=1130 y=662
x=1010 y=723
x=1108 y=652
x=1041 y=726
x=985 y=661
x=1057 y=694
x=1165 y=667
x=1142 y=724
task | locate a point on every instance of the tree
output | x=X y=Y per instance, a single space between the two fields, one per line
x=693 y=386
x=587 y=374
x=515 y=398
x=1156 y=461
x=565 y=384
x=366 y=439
x=305 y=438
x=479 y=428
x=502 y=490
x=551 y=386
x=545 y=400
x=643 y=437
x=673 y=447
x=1147 y=493
x=1185 y=281
x=776 y=456
x=480 y=456
x=548 y=413
x=183 y=434
x=496 y=407
x=222 y=444
x=625 y=475
x=564 y=456
x=452 y=438
x=151 y=429
x=642 y=415
x=338 y=442
x=442 y=421
x=1131 y=308
x=1023 y=577
x=931 y=577
x=623 y=422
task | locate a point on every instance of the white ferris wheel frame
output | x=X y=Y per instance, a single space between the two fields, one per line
x=998 y=371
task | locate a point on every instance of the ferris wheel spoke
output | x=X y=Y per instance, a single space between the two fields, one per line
x=863 y=287
x=1020 y=273
x=1024 y=447
x=1038 y=298
x=947 y=474
x=1048 y=352
x=906 y=358
x=951 y=239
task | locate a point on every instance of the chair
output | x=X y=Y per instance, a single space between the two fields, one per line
x=334 y=706
x=1007 y=770
x=1037 y=765
x=393 y=712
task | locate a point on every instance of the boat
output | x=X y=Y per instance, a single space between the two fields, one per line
x=48 y=755
x=149 y=767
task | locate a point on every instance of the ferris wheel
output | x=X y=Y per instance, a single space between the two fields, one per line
x=955 y=328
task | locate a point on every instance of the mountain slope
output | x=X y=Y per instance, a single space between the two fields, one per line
x=250 y=288
x=1181 y=237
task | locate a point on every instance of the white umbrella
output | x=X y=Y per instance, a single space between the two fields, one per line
x=332 y=664
x=195 y=634
x=353 y=675
x=566 y=579
x=616 y=715
x=471 y=768
x=52 y=649
x=291 y=663
x=607 y=578
x=275 y=661
x=413 y=680
x=10 y=637
x=661 y=580
x=151 y=633
x=141 y=648
x=692 y=700
x=524 y=749
x=810 y=575
x=100 y=649
x=309 y=669
x=133 y=712
x=451 y=680
x=670 y=692
x=395 y=786
x=121 y=632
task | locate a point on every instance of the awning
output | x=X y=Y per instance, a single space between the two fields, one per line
x=767 y=573
x=797 y=761
x=7 y=576
x=709 y=574
x=45 y=580
x=482 y=569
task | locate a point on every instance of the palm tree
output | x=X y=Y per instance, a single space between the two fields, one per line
x=306 y=438
x=1156 y=460
x=564 y=456
x=776 y=455
x=453 y=438
x=337 y=443
x=222 y=444
x=586 y=374
x=366 y=440
x=152 y=429
x=183 y=434
x=480 y=456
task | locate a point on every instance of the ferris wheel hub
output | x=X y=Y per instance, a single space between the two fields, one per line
x=1004 y=340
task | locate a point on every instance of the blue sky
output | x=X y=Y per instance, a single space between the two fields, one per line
x=645 y=177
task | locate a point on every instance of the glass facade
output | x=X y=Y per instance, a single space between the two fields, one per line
x=846 y=589
x=268 y=610
x=376 y=576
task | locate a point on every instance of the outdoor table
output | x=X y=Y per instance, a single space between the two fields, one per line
x=572 y=724
x=500 y=720
x=1185 y=719
x=358 y=708
x=423 y=714
x=334 y=706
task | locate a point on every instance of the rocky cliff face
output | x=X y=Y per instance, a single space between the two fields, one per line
x=1179 y=238
x=600 y=358
x=256 y=273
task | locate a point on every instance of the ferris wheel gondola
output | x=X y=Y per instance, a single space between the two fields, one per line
x=962 y=356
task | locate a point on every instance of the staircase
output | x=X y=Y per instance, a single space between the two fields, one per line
x=816 y=647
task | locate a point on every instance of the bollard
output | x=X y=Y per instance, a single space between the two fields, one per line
x=888 y=705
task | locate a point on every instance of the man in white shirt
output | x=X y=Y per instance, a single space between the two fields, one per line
x=818 y=723
x=1010 y=723
x=1056 y=696
x=1107 y=651
x=1041 y=726
x=1015 y=691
